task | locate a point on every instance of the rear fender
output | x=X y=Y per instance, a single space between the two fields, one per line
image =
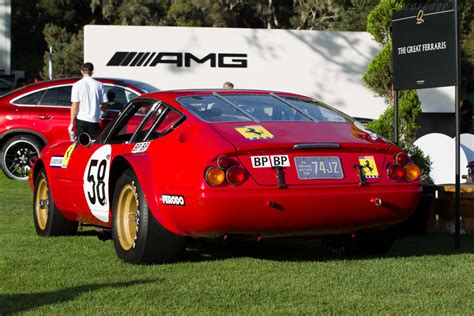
x=143 y=167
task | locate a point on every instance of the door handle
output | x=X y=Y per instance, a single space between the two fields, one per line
x=44 y=117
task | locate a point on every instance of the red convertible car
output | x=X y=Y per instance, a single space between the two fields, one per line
x=217 y=163
x=38 y=114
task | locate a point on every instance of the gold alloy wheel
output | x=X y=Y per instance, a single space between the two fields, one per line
x=126 y=217
x=42 y=204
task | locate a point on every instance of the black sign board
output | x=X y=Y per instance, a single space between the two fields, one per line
x=424 y=48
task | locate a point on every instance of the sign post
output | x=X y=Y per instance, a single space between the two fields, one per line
x=425 y=50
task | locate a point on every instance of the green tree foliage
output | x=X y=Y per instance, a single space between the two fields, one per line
x=379 y=74
x=379 y=20
x=354 y=15
x=65 y=57
x=316 y=14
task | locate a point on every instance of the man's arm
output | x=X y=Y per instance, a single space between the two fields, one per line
x=74 y=110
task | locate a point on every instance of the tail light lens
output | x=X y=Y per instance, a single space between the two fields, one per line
x=402 y=158
x=412 y=172
x=396 y=172
x=225 y=162
x=214 y=176
x=235 y=175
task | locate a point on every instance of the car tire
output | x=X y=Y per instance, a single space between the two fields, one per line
x=138 y=237
x=17 y=154
x=48 y=219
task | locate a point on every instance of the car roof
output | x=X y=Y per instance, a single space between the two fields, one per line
x=173 y=94
x=58 y=82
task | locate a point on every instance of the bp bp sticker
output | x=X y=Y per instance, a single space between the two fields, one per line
x=254 y=132
x=96 y=183
x=369 y=167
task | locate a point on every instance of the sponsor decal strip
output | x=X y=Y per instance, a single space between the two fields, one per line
x=56 y=161
x=177 y=200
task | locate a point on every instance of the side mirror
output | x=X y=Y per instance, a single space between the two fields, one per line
x=84 y=139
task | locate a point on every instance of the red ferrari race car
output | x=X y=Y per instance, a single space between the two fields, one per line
x=38 y=114
x=215 y=163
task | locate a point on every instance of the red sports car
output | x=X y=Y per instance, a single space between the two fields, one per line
x=38 y=114
x=218 y=163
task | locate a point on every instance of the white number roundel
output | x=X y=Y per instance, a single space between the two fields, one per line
x=96 y=183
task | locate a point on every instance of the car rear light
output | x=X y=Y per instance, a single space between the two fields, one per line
x=214 y=176
x=412 y=172
x=227 y=172
x=235 y=175
x=396 y=172
x=402 y=158
x=225 y=162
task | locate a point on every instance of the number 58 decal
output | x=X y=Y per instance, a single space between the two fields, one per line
x=96 y=182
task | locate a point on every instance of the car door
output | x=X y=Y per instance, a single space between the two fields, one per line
x=51 y=115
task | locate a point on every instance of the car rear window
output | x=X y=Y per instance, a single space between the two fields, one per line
x=264 y=108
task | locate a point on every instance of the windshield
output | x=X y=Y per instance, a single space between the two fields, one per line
x=260 y=108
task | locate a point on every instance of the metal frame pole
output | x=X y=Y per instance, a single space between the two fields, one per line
x=457 y=196
x=395 y=117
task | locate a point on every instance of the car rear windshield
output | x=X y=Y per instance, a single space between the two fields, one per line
x=263 y=108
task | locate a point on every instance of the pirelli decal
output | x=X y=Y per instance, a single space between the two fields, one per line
x=179 y=59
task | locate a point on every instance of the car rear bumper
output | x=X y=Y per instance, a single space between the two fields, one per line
x=288 y=212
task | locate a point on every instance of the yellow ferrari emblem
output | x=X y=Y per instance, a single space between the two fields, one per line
x=254 y=132
x=67 y=154
x=369 y=167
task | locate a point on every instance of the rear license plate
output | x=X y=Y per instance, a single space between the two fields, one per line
x=319 y=168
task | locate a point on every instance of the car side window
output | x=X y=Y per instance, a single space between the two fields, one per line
x=118 y=97
x=161 y=120
x=30 y=99
x=128 y=122
x=59 y=96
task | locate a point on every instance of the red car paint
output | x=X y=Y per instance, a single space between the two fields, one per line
x=174 y=165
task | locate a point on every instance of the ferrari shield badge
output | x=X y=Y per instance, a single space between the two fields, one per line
x=369 y=167
x=254 y=132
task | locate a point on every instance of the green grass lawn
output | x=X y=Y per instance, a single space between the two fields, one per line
x=82 y=275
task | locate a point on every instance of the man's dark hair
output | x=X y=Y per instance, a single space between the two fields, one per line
x=87 y=67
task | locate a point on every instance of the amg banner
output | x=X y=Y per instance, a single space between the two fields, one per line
x=423 y=48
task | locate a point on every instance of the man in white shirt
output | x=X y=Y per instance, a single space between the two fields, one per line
x=87 y=99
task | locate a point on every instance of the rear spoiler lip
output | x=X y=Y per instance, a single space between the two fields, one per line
x=316 y=145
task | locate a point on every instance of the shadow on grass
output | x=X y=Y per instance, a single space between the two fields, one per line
x=17 y=303
x=314 y=250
